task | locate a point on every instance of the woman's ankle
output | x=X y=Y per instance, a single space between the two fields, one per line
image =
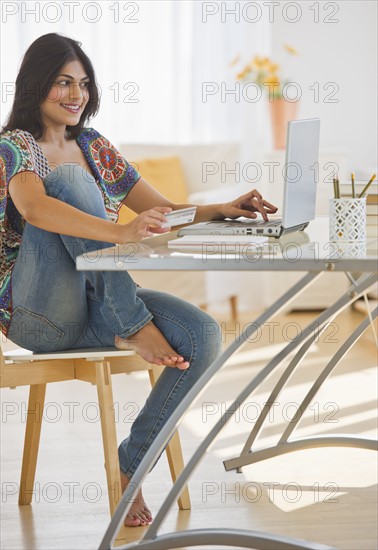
x=124 y=481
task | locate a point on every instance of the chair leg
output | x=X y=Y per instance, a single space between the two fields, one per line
x=109 y=439
x=174 y=452
x=31 y=445
x=234 y=308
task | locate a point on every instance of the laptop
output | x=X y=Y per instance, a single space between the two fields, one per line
x=300 y=181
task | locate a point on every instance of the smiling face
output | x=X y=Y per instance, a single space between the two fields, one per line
x=67 y=97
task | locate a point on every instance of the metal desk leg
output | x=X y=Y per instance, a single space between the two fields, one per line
x=357 y=333
x=284 y=446
x=248 y=456
x=167 y=430
x=299 y=356
x=239 y=538
x=171 y=425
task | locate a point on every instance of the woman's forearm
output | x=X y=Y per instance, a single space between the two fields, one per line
x=209 y=212
x=57 y=216
x=143 y=196
x=204 y=213
x=28 y=194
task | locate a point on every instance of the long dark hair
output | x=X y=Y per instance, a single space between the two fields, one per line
x=41 y=64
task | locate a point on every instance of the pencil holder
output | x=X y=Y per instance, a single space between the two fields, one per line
x=354 y=249
x=347 y=220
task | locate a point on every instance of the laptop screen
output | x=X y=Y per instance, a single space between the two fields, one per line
x=301 y=172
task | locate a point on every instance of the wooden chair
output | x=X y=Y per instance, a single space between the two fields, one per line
x=21 y=367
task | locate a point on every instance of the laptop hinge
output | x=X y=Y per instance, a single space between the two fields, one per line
x=300 y=227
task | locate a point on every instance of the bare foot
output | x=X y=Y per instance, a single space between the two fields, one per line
x=150 y=344
x=139 y=514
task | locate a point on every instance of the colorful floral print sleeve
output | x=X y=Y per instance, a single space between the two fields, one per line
x=114 y=175
x=19 y=152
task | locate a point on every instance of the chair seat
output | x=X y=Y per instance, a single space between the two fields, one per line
x=20 y=355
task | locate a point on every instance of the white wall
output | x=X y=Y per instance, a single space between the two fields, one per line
x=344 y=52
x=173 y=48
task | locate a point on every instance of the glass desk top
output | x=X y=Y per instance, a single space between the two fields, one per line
x=308 y=250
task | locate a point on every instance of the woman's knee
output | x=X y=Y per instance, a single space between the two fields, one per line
x=208 y=335
x=74 y=185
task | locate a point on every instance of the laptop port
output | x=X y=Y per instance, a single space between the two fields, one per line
x=259 y=231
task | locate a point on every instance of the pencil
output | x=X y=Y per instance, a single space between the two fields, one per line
x=353 y=189
x=337 y=188
x=334 y=188
x=367 y=186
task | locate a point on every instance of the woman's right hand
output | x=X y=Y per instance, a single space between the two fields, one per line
x=146 y=224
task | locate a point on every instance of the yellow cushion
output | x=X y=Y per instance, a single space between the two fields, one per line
x=166 y=175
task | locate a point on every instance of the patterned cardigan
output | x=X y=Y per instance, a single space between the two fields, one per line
x=19 y=152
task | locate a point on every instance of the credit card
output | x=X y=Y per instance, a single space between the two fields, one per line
x=178 y=217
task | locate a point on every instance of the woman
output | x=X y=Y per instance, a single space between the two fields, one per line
x=62 y=185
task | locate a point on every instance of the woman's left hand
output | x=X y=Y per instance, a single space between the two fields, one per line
x=247 y=205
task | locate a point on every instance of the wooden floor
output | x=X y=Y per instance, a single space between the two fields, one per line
x=325 y=495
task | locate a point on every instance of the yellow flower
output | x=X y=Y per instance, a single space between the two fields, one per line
x=290 y=49
x=243 y=73
x=273 y=68
x=259 y=62
x=263 y=71
x=235 y=60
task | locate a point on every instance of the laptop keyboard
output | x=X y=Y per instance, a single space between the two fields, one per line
x=270 y=223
